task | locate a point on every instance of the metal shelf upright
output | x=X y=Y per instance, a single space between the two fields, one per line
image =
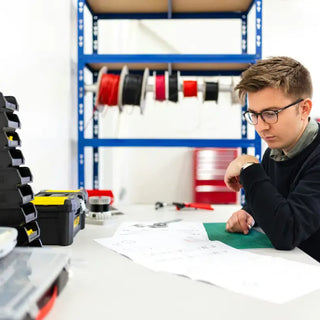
x=187 y=64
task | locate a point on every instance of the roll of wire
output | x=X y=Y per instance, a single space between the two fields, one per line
x=211 y=91
x=173 y=88
x=160 y=88
x=190 y=88
x=99 y=204
x=131 y=93
x=108 y=90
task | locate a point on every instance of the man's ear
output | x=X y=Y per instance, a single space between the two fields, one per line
x=306 y=107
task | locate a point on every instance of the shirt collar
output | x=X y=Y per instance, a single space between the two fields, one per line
x=309 y=134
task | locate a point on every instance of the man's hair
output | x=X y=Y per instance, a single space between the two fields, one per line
x=284 y=73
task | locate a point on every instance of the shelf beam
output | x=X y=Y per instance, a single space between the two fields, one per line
x=174 y=15
x=192 y=143
x=169 y=58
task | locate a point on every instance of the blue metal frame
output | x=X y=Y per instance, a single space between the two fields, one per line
x=80 y=80
x=258 y=4
x=95 y=127
x=194 y=143
x=84 y=60
x=174 y=15
x=170 y=58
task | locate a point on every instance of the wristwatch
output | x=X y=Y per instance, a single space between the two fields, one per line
x=246 y=165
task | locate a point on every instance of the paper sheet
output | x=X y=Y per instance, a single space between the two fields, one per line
x=184 y=248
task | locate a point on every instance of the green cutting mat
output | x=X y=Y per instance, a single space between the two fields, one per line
x=255 y=239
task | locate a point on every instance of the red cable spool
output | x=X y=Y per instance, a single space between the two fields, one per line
x=160 y=88
x=108 y=91
x=190 y=88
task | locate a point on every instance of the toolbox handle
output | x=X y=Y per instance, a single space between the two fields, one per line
x=48 y=306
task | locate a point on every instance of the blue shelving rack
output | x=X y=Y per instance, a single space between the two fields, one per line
x=215 y=65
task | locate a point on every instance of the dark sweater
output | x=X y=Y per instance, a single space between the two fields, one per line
x=284 y=199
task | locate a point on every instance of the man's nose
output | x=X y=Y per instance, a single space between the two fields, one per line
x=261 y=125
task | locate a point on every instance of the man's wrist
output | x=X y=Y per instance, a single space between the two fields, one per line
x=246 y=165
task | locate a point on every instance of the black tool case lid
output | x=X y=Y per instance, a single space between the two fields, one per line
x=8 y=103
x=14 y=176
x=12 y=198
x=47 y=202
x=9 y=139
x=9 y=121
x=10 y=158
x=80 y=193
x=21 y=215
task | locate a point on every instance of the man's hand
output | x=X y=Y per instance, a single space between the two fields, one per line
x=231 y=177
x=240 y=221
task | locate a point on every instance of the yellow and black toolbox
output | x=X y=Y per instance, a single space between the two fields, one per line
x=61 y=214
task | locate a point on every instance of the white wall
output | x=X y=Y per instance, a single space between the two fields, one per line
x=37 y=41
x=35 y=68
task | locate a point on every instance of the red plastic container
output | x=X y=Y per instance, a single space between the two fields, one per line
x=209 y=166
x=100 y=193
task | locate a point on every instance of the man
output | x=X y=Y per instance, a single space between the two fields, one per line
x=283 y=191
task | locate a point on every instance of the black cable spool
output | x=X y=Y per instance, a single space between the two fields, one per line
x=97 y=204
x=99 y=207
x=173 y=88
x=211 y=91
x=132 y=89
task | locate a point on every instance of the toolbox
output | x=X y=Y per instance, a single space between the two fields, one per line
x=61 y=214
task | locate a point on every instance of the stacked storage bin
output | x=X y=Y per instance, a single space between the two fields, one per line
x=16 y=210
x=209 y=167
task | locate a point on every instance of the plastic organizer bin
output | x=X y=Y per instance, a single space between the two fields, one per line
x=29 y=277
x=28 y=232
x=9 y=120
x=8 y=103
x=15 y=217
x=14 y=176
x=9 y=139
x=12 y=198
x=10 y=158
x=61 y=215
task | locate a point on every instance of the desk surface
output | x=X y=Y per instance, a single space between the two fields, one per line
x=106 y=285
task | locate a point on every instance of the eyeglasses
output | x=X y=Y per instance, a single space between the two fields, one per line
x=268 y=116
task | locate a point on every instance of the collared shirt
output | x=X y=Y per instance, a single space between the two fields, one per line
x=307 y=137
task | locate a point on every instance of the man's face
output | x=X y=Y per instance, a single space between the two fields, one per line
x=291 y=123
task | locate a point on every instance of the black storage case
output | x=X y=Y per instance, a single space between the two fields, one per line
x=60 y=216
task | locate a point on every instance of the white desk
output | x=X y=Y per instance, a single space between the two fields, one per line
x=106 y=285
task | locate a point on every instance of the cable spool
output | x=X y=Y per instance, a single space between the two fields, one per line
x=123 y=74
x=144 y=90
x=173 y=87
x=108 y=90
x=234 y=96
x=210 y=91
x=99 y=204
x=132 y=89
x=102 y=71
x=160 y=87
x=190 y=88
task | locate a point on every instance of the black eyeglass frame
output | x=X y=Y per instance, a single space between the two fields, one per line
x=276 y=112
